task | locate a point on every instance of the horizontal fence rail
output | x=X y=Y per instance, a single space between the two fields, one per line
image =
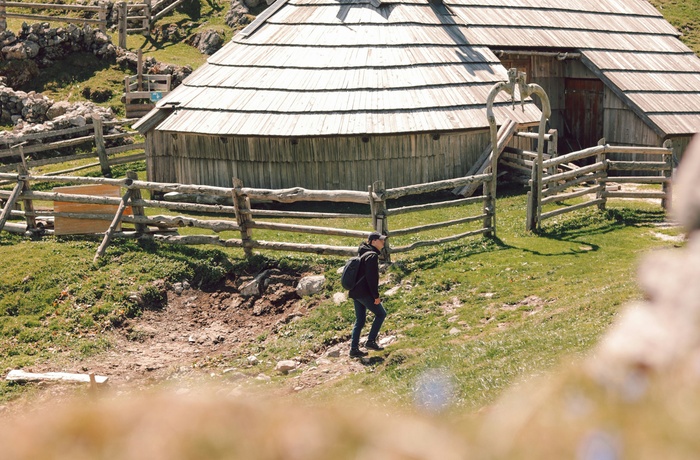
x=130 y=208
x=101 y=10
x=37 y=143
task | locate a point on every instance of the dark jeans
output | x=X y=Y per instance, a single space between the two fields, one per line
x=361 y=307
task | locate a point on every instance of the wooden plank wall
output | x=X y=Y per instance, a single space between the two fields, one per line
x=315 y=163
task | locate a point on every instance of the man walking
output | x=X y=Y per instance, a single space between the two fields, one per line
x=365 y=295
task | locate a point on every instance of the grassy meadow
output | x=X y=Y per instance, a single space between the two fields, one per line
x=486 y=313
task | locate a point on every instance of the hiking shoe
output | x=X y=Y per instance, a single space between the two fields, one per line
x=357 y=353
x=373 y=346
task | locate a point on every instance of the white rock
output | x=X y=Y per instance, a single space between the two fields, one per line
x=454 y=331
x=252 y=360
x=339 y=298
x=392 y=291
x=286 y=366
x=388 y=340
x=310 y=285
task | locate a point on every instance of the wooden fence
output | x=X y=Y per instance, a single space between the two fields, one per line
x=139 y=17
x=560 y=175
x=15 y=153
x=243 y=214
x=101 y=10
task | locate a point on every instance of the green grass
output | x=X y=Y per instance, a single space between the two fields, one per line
x=579 y=270
x=685 y=16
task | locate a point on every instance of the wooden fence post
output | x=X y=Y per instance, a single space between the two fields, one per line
x=28 y=206
x=241 y=204
x=122 y=24
x=668 y=172
x=102 y=16
x=147 y=18
x=379 y=219
x=137 y=210
x=100 y=146
x=10 y=203
x=602 y=158
x=113 y=226
x=3 y=16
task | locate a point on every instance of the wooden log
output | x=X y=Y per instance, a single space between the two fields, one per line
x=241 y=203
x=27 y=204
x=73 y=179
x=196 y=240
x=637 y=166
x=572 y=174
x=308 y=229
x=100 y=146
x=113 y=226
x=528 y=135
x=553 y=189
x=10 y=204
x=40 y=18
x=483 y=164
x=307 y=248
x=439 y=205
x=516 y=165
x=51 y=6
x=573 y=156
x=292 y=195
x=167 y=10
x=638 y=179
x=138 y=211
x=512 y=152
x=447 y=239
x=423 y=228
x=576 y=194
x=15 y=228
x=299 y=214
x=17 y=375
x=638 y=150
x=198 y=198
x=394 y=193
x=638 y=195
x=556 y=212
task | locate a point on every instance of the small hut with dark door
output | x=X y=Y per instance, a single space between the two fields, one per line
x=333 y=94
x=613 y=69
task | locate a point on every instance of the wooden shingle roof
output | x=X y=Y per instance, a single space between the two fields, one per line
x=345 y=67
x=316 y=68
x=626 y=43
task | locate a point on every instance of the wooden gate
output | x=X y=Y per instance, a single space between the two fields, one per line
x=563 y=180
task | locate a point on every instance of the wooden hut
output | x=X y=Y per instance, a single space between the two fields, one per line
x=328 y=94
x=612 y=69
x=331 y=94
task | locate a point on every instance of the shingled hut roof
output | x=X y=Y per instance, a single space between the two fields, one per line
x=327 y=68
x=626 y=43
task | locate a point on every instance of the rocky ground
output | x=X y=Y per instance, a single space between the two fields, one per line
x=207 y=336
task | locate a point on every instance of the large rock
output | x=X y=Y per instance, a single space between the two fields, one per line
x=310 y=285
x=58 y=109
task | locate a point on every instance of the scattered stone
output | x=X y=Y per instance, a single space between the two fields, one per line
x=252 y=360
x=392 y=291
x=310 y=285
x=454 y=331
x=263 y=377
x=207 y=42
x=333 y=352
x=339 y=298
x=388 y=340
x=285 y=366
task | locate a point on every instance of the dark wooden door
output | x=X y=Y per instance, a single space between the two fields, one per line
x=583 y=113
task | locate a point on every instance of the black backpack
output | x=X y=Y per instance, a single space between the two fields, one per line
x=351 y=270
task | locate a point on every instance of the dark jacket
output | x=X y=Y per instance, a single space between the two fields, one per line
x=368 y=287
